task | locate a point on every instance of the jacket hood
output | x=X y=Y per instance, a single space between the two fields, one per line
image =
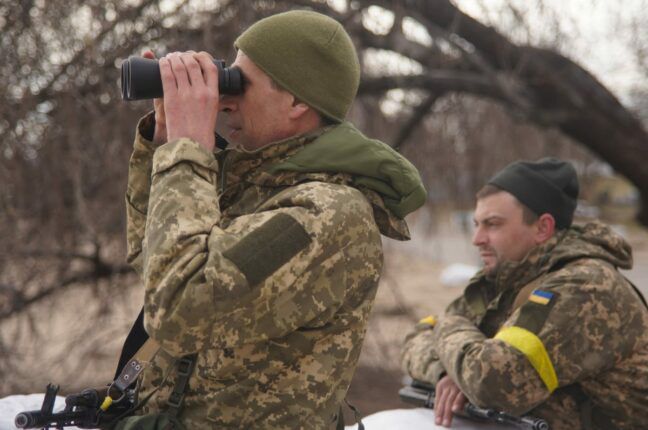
x=391 y=182
x=592 y=240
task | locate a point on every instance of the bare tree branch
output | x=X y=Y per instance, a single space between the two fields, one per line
x=22 y=302
x=420 y=112
x=435 y=81
x=586 y=110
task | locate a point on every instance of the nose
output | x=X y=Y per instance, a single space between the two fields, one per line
x=227 y=103
x=479 y=238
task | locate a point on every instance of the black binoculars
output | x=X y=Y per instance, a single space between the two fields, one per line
x=140 y=79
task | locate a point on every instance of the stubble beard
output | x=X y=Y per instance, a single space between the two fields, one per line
x=491 y=271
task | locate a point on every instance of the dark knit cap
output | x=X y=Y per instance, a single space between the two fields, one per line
x=544 y=186
x=308 y=54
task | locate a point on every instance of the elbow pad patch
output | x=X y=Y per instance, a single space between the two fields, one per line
x=261 y=252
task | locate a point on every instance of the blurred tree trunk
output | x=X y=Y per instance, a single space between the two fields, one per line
x=539 y=85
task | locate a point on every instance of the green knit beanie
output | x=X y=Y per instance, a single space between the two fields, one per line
x=308 y=54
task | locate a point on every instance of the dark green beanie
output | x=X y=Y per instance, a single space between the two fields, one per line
x=308 y=54
x=545 y=186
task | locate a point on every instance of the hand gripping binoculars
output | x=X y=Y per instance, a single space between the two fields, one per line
x=140 y=79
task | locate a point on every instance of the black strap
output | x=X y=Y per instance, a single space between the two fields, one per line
x=641 y=297
x=134 y=341
x=340 y=417
x=339 y=425
x=221 y=143
x=585 y=407
x=184 y=371
x=584 y=404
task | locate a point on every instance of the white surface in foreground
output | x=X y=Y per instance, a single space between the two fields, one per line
x=396 y=419
x=419 y=419
x=13 y=405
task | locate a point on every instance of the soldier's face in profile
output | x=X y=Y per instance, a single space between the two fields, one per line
x=259 y=115
x=500 y=231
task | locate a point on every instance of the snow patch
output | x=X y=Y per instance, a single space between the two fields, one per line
x=457 y=275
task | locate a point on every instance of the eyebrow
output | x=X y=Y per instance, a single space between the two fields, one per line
x=489 y=218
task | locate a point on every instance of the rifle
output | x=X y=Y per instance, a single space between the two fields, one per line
x=422 y=395
x=81 y=410
x=89 y=409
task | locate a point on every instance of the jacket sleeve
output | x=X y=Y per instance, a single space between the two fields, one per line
x=419 y=357
x=569 y=332
x=137 y=191
x=262 y=276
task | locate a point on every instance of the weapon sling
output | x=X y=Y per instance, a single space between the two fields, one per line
x=128 y=370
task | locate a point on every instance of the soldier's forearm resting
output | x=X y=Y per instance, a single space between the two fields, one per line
x=489 y=372
x=419 y=358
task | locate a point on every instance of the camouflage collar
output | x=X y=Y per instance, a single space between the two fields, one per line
x=512 y=275
x=335 y=154
x=238 y=165
x=592 y=240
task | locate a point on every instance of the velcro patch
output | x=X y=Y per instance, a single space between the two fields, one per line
x=535 y=311
x=261 y=252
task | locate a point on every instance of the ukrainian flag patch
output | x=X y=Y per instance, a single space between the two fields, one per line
x=541 y=297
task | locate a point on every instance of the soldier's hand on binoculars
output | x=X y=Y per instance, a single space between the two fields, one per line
x=190 y=83
x=160 y=134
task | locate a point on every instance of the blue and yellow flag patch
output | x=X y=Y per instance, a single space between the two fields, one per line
x=541 y=297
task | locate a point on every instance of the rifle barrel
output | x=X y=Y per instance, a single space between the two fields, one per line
x=425 y=398
x=30 y=420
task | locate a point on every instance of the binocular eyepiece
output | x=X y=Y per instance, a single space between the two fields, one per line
x=140 y=79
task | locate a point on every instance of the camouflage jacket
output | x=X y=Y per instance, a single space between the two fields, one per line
x=265 y=267
x=552 y=336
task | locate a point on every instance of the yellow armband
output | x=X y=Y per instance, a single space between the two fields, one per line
x=534 y=350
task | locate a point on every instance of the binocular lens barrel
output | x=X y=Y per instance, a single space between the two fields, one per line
x=140 y=79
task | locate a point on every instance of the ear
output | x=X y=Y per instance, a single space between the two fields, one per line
x=545 y=228
x=298 y=109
